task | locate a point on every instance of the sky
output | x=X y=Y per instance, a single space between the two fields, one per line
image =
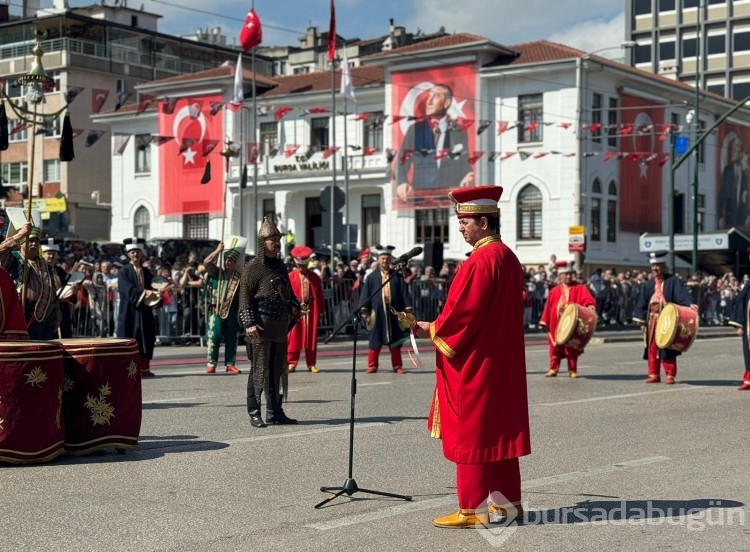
x=588 y=26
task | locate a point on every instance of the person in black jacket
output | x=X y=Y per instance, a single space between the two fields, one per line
x=661 y=289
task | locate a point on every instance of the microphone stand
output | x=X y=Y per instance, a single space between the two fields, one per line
x=350 y=486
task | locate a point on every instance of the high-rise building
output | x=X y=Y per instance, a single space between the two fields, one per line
x=678 y=38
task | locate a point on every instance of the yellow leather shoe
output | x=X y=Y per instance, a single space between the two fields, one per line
x=463 y=519
x=573 y=374
x=550 y=374
x=292 y=368
x=313 y=369
x=512 y=511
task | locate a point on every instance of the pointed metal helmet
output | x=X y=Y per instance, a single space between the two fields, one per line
x=268 y=229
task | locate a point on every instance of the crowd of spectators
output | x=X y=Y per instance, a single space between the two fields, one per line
x=181 y=318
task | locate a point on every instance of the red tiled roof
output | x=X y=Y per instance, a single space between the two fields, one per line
x=215 y=73
x=439 y=43
x=321 y=81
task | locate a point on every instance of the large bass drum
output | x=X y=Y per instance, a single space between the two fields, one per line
x=575 y=326
x=676 y=328
x=31 y=411
x=102 y=399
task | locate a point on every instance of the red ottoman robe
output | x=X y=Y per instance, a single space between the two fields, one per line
x=577 y=293
x=12 y=320
x=480 y=408
x=304 y=334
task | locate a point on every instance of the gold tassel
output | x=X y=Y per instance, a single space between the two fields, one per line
x=435 y=417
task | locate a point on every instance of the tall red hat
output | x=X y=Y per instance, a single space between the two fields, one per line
x=302 y=254
x=476 y=201
x=565 y=266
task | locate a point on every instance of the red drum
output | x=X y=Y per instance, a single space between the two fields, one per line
x=676 y=328
x=575 y=326
x=31 y=410
x=102 y=399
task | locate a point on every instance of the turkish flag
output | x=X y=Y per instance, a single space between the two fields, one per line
x=332 y=34
x=98 y=98
x=281 y=112
x=182 y=161
x=252 y=33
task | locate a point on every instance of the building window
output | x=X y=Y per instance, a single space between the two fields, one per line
x=596 y=118
x=195 y=226
x=432 y=225
x=642 y=54
x=716 y=88
x=269 y=139
x=15 y=174
x=686 y=4
x=612 y=123
x=688 y=47
x=717 y=44
x=596 y=211
x=21 y=133
x=52 y=170
x=740 y=90
x=530 y=213
x=143 y=153
x=269 y=209
x=666 y=6
x=142 y=223
x=642 y=7
x=666 y=50
x=301 y=70
x=612 y=213
x=373 y=131
x=530 y=108
x=319 y=133
x=370 y=219
x=741 y=41
x=53 y=130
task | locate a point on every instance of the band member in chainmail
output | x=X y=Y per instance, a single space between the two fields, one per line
x=268 y=310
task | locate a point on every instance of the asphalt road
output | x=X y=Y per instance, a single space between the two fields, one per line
x=616 y=464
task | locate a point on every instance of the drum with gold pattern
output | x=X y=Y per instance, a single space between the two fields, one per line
x=102 y=398
x=676 y=328
x=575 y=326
x=31 y=411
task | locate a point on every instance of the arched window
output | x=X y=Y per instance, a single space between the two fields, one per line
x=142 y=223
x=612 y=212
x=596 y=211
x=529 y=213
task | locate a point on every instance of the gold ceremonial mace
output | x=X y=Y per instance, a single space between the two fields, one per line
x=36 y=80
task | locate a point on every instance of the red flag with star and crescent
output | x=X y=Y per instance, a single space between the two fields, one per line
x=182 y=161
x=640 y=182
x=252 y=32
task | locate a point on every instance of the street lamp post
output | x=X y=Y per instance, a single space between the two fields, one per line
x=696 y=127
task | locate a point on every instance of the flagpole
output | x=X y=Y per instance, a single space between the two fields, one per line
x=346 y=176
x=254 y=138
x=333 y=139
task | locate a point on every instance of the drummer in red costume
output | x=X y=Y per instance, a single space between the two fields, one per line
x=568 y=291
x=480 y=409
x=659 y=290
x=12 y=322
x=308 y=288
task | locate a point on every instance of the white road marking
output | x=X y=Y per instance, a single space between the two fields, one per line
x=409 y=507
x=623 y=396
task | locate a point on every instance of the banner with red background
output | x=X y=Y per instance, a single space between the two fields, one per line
x=641 y=174
x=732 y=206
x=426 y=163
x=182 y=161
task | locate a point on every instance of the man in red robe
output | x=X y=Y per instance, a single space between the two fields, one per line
x=12 y=320
x=480 y=408
x=568 y=291
x=308 y=288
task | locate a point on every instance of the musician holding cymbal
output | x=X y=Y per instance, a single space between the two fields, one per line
x=663 y=288
x=566 y=293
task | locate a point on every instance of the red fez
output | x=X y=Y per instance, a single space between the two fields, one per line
x=476 y=201
x=565 y=266
x=301 y=254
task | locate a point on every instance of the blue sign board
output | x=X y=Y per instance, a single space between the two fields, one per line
x=681 y=144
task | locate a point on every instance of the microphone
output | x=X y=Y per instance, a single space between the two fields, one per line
x=407 y=256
